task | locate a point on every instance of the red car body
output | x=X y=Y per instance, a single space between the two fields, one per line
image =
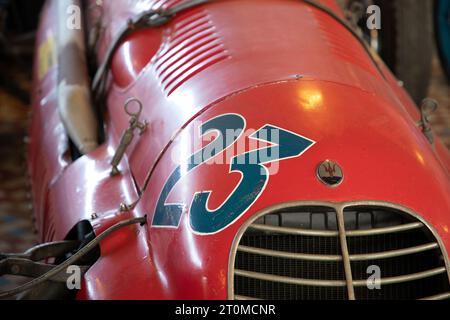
x=283 y=63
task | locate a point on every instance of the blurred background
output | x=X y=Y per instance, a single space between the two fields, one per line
x=414 y=41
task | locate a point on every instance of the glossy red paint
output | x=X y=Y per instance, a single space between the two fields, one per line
x=271 y=61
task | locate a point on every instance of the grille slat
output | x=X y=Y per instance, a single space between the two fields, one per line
x=297 y=253
x=443 y=296
x=334 y=283
x=359 y=257
x=406 y=227
x=328 y=233
x=404 y=278
x=394 y=253
x=244 y=298
x=301 y=232
x=289 y=255
x=288 y=280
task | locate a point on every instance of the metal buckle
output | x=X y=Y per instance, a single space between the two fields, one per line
x=128 y=135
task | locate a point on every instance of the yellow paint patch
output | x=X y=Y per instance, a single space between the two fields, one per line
x=46 y=55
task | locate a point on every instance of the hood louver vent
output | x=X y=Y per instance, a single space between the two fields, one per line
x=165 y=4
x=350 y=52
x=191 y=47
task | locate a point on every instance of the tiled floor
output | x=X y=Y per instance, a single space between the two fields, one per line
x=15 y=209
x=16 y=226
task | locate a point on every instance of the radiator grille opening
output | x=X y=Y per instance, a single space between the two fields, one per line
x=296 y=253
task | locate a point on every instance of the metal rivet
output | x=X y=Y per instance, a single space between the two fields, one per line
x=124 y=207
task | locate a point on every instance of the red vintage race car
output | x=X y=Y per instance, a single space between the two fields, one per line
x=229 y=149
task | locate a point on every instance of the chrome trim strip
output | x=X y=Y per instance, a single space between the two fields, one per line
x=373 y=232
x=443 y=296
x=345 y=253
x=292 y=231
x=288 y=280
x=404 y=278
x=289 y=255
x=283 y=207
x=330 y=233
x=337 y=283
x=244 y=298
x=394 y=253
x=333 y=258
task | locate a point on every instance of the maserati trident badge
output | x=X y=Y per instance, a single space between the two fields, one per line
x=330 y=173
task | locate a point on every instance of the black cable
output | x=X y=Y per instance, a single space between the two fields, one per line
x=70 y=261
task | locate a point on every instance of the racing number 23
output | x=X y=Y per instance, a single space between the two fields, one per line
x=255 y=176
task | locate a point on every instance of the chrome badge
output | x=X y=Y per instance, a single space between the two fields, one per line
x=330 y=173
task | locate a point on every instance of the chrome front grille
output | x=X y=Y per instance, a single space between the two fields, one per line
x=323 y=251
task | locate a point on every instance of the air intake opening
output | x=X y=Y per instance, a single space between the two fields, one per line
x=295 y=253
